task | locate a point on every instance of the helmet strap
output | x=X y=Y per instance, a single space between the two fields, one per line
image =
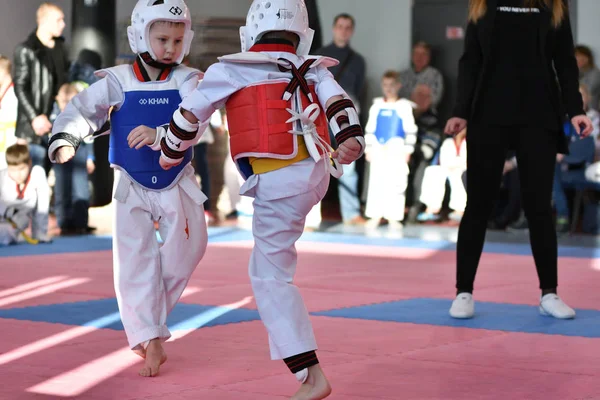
x=147 y=58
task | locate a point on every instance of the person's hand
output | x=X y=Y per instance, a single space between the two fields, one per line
x=91 y=167
x=166 y=166
x=560 y=157
x=141 y=136
x=508 y=166
x=64 y=154
x=583 y=125
x=455 y=125
x=17 y=217
x=41 y=125
x=347 y=152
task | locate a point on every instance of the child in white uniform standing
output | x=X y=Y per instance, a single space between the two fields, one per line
x=276 y=96
x=149 y=278
x=391 y=134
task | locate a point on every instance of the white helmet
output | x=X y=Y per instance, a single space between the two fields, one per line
x=145 y=13
x=277 y=15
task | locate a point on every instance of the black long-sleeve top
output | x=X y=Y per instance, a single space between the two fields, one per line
x=512 y=66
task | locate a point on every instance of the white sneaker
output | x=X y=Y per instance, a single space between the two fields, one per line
x=463 y=306
x=553 y=306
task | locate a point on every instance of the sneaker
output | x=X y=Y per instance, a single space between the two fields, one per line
x=553 y=306
x=463 y=306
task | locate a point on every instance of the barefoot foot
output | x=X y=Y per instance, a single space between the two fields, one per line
x=155 y=357
x=316 y=387
x=140 y=352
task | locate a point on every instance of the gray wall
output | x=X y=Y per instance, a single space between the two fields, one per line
x=17 y=21
x=382 y=37
x=588 y=25
x=198 y=8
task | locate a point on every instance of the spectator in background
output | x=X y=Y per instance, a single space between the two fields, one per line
x=424 y=85
x=71 y=188
x=350 y=74
x=452 y=165
x=201 y=162
x=390 y=136
x=570 y=168
x=24 y=197
x=8 y=109
x=589 y=74
x=41 y=67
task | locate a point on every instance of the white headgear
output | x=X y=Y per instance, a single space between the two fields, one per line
x=145 y=13
x=277 y=15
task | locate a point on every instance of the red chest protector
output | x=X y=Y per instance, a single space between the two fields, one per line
x=257 y=118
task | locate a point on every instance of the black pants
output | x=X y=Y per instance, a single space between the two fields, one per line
x=536 y=156
x=201 y=166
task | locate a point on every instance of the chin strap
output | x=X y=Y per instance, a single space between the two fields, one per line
x=147 y=58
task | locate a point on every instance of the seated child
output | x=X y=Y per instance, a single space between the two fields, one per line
x=452 y=165
x=8 y=109
x=24 y=197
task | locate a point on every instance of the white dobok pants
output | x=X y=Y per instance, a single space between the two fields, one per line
x=434 y=188
x=388 y=180
x=282 y=200
x=149 y=277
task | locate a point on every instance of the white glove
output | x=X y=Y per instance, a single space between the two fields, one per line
x=17 y=217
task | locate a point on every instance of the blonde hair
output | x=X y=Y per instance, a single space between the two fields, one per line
x=44 y=8
x=477 y=9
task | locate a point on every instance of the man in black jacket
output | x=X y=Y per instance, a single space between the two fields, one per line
x=40 y=68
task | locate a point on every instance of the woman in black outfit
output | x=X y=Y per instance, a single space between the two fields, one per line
x=509 y=96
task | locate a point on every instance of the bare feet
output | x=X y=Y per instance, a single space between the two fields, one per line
x=155 y=357
x=140 y=352
x=316 y=387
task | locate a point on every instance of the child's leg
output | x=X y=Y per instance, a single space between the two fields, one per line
x=182 y=227
x=377 y=183
x=394 y=197
x=458 y=194
x=433 y=189
x=277 y=225
x=138 y=283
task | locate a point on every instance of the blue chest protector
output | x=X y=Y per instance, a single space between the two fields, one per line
x=151 y=108
x=389 y=125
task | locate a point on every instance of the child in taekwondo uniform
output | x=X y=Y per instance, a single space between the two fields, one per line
x=149 y=278
x=279 y=101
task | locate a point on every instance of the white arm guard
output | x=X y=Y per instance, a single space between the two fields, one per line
x=181 y=135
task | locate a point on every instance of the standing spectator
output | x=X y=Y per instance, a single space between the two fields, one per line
x=41 y=67
x=201 y=162
x=350 y=74
x=514 y=58
x=589 y=74
x=71 y=189
x=8 y=109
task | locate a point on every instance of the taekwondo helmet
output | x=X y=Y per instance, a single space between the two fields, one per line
x=277 y=15
x=147 y=12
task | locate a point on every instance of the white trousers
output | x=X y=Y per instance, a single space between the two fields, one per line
x=388 y=180
x=278 y=222
x=150 y=278
x=8 y=234
x=434 y=188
